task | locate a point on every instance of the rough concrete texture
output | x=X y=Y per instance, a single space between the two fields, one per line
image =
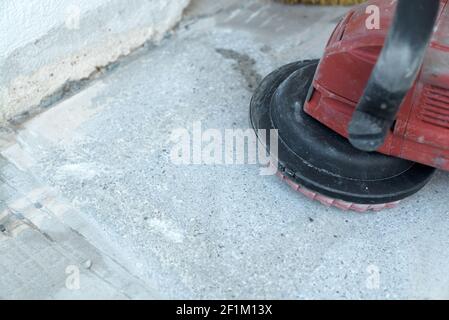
x=203 y=231
x=44 y=253
x=78 y=49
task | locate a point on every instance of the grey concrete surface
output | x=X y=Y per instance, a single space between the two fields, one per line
x=199 y=231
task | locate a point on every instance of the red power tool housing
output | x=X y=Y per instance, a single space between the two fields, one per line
x=421 y=130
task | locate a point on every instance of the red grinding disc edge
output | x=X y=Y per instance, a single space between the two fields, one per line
x=340 y=204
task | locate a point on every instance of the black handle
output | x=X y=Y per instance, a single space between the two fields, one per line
x=394 y=73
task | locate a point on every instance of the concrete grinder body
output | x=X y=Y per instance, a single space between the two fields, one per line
x=366 y=125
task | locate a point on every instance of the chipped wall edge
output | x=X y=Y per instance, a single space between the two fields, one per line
x=37 y=72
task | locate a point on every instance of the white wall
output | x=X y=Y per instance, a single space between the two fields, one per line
x=45 y=44
x=24 y=21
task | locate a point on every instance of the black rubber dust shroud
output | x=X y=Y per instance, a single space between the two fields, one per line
x=319 y=159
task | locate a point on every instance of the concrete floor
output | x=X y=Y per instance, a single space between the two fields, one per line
x=89 y=183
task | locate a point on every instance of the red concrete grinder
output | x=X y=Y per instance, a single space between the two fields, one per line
x=366 y=125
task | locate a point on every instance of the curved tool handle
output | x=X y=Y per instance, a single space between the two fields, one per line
x=394 y=73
